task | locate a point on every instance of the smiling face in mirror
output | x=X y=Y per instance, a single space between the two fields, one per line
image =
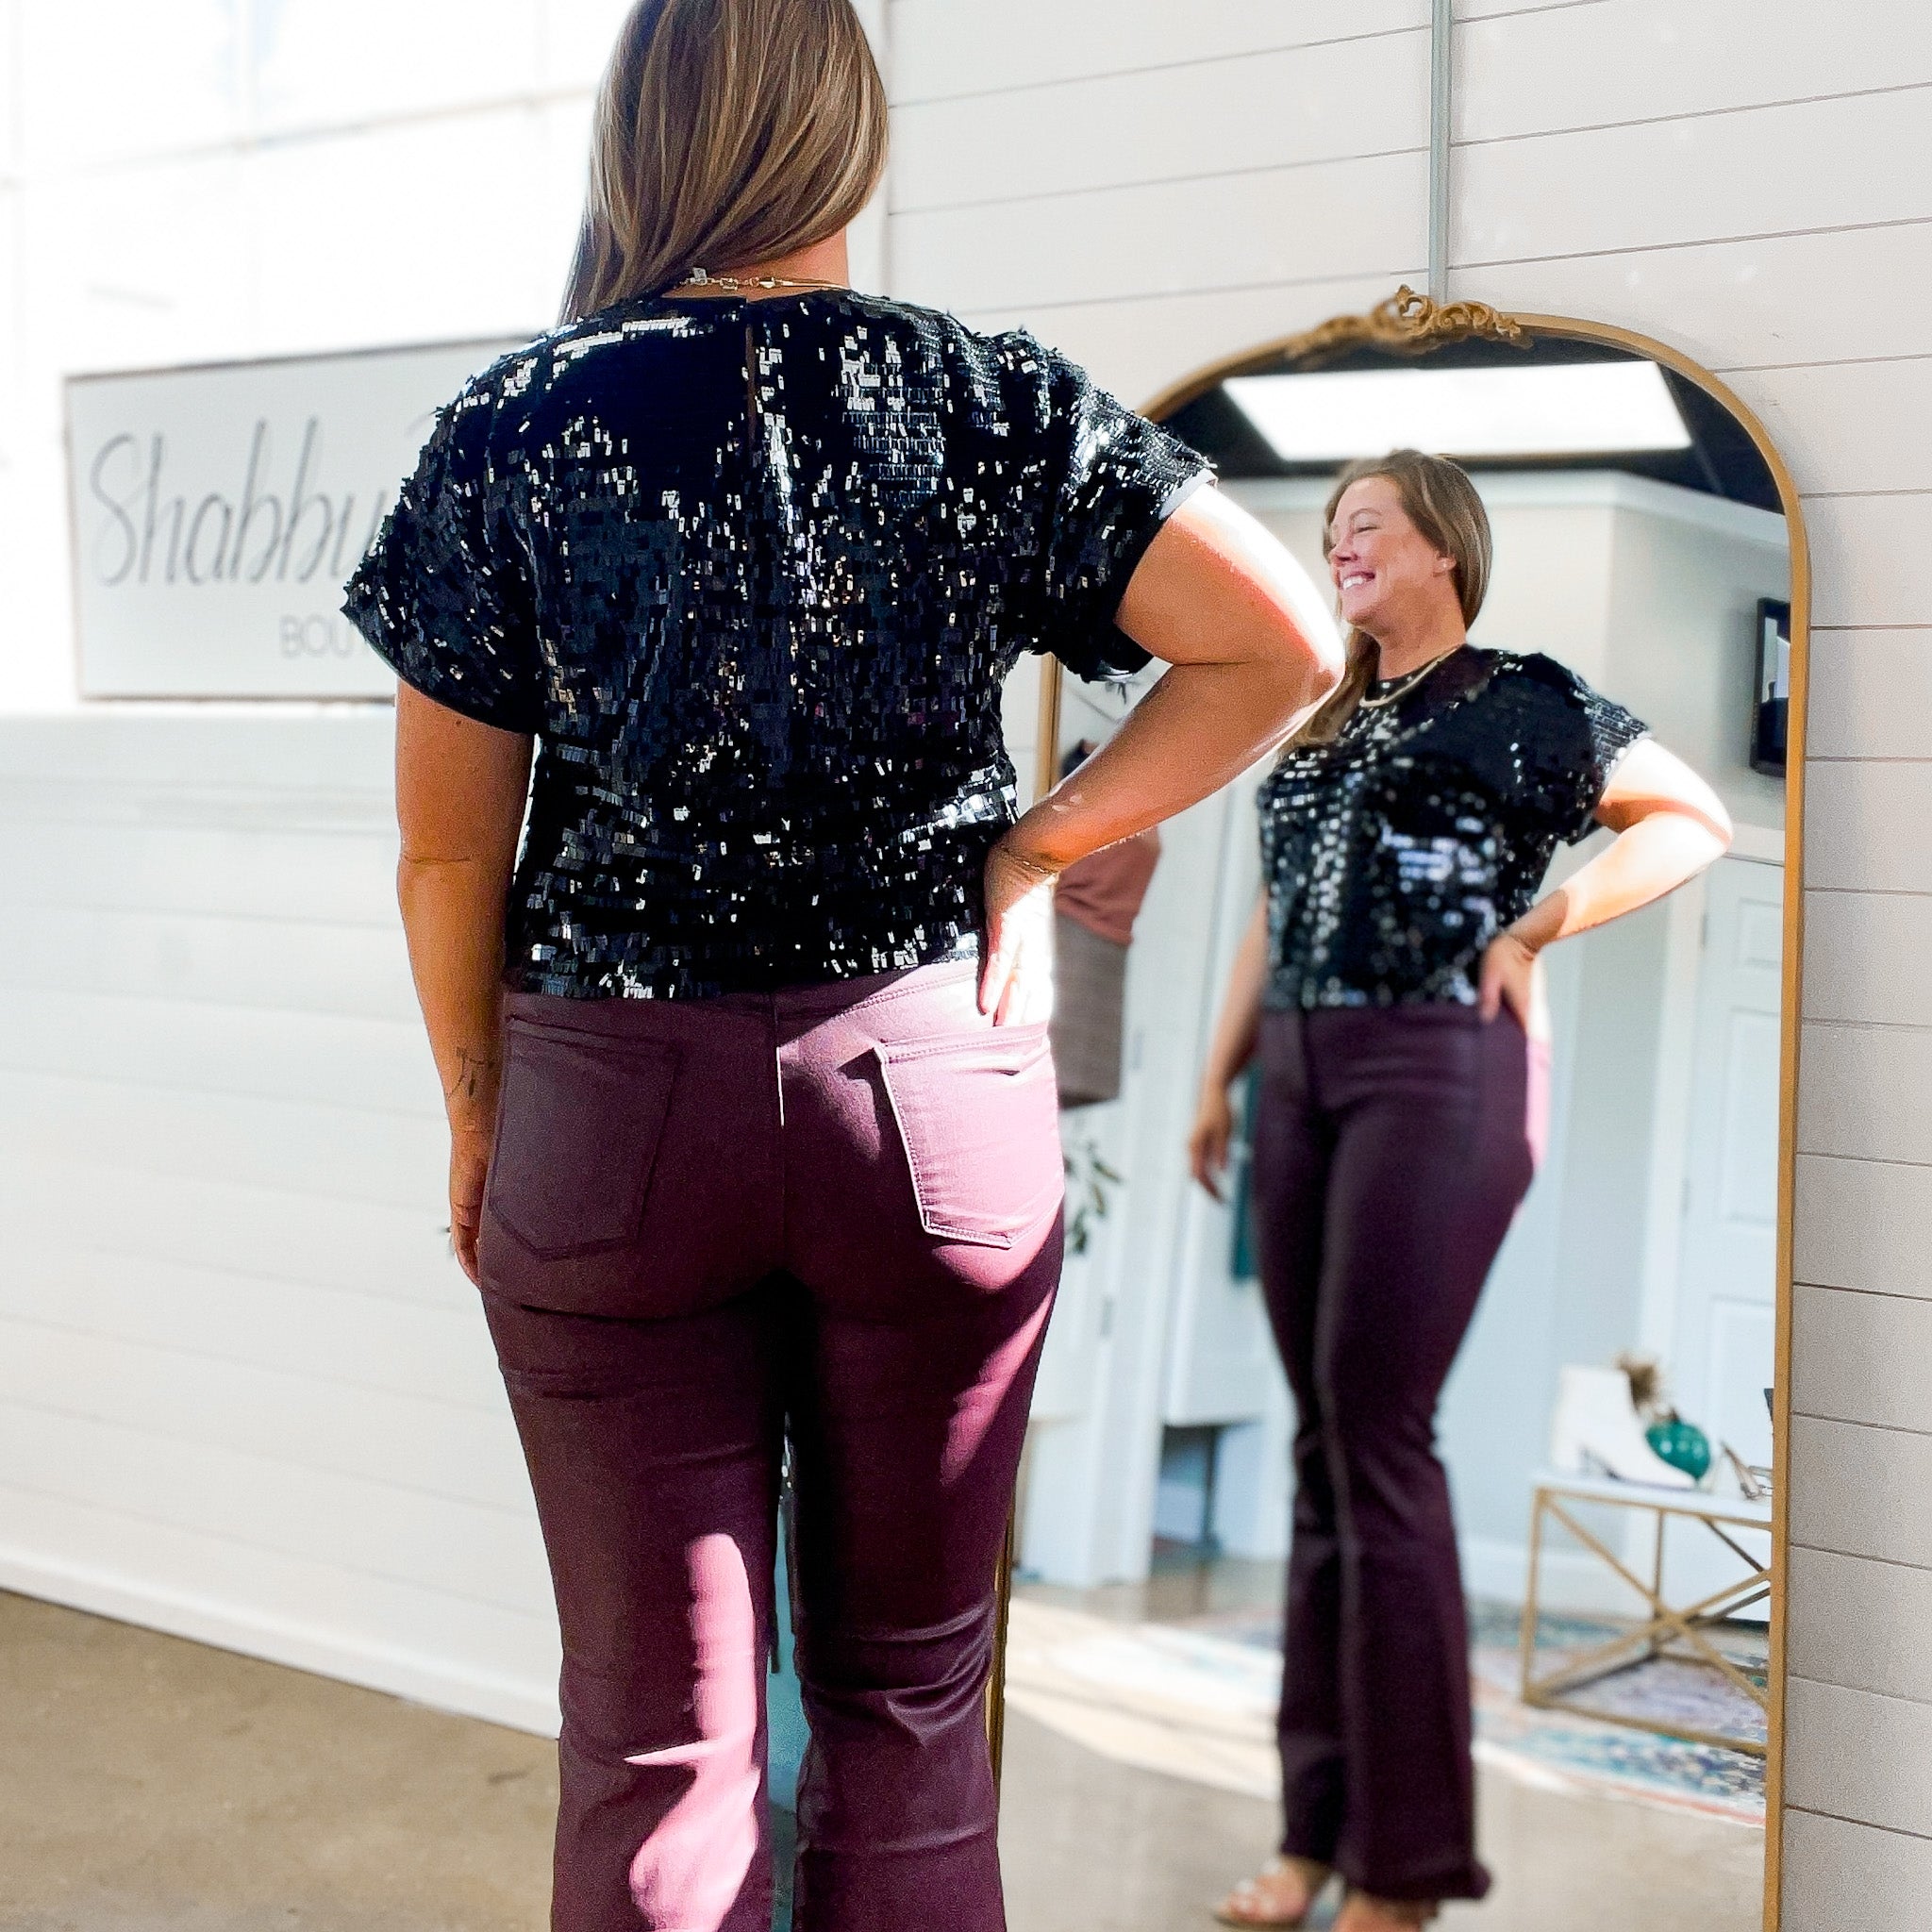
x=1389 y=580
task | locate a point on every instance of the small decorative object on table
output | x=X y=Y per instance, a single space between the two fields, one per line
x=1753 y=1478
x=1682 y=1444
x=1597 y=1428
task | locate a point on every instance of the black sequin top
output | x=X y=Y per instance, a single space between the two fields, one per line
x=1393 y=856
x=753 y=573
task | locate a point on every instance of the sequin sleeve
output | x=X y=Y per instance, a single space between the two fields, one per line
x=1112 y=479
x=1597 y=732
x=443 y=594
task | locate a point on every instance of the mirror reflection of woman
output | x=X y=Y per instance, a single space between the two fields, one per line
x=1389 y=985
x=752 y=1113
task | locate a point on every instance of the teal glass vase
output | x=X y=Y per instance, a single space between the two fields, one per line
x=1682 y=1444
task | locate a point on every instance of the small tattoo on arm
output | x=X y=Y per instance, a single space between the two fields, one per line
x=474 y=1075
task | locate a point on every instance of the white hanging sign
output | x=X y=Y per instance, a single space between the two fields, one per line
x=217 y=510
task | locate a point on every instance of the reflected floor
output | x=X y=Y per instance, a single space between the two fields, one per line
x=1140 y=1756
x=1093 y=1847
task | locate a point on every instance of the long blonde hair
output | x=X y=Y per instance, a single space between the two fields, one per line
x=727 y=132
x=1443 y=504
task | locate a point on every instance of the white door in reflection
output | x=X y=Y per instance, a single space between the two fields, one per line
x=1724 y=1351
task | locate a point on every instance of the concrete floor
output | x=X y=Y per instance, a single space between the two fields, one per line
x=151 y=1785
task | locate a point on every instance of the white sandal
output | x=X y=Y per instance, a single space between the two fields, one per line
x=1233 y=1910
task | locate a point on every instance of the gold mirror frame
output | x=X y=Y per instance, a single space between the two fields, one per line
x=1412 y=324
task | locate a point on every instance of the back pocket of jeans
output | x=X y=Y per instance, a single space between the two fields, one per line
x=577 y=1131
x=978 y=1117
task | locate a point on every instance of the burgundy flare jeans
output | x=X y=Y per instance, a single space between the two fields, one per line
x=1392 y=1148
x=830 y=1213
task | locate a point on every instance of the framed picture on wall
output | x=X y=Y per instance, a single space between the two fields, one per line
x=1771 y=711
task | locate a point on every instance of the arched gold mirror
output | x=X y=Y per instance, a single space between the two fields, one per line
x=1625 y=1615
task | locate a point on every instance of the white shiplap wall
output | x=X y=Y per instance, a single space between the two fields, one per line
x=245 y=1393
x=1153 y=187
x=241 y=1391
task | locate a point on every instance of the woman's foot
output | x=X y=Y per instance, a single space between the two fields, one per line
x=1280 y=1896
x=1362 y=1911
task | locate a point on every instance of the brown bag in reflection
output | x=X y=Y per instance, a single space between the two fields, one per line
x=1095 y=906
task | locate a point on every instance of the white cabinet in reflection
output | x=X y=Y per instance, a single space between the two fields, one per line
x=1154 y=1328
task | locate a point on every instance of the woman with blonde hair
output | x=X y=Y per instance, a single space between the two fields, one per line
x=1387 y=986
x=751 y=1105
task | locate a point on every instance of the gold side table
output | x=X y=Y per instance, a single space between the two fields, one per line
x=1555 y=1498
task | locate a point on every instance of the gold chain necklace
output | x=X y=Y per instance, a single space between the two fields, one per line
x=1408 y=683
x=703 y=278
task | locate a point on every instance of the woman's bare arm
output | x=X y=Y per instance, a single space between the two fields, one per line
x=1670 y=826
x=1233 y=1047
x=461 y=789
x=1251 y=650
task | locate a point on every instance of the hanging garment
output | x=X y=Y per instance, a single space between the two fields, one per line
x=1096 y=905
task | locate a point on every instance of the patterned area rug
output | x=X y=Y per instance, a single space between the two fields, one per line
x=1196 y=1700
x=1570 y=1749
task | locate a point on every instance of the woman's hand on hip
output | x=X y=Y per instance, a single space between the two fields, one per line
x=1512 y=977
x=1016 y=986
x=469 y=1174
x=1210 y=1139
